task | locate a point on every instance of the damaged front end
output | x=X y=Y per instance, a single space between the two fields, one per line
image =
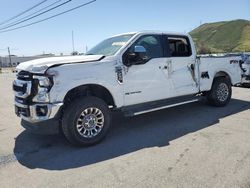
x=32 y=99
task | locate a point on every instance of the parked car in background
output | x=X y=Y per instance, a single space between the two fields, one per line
x=245 y=65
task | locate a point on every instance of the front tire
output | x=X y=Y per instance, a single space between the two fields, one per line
x=86 y=121
x=220 y=93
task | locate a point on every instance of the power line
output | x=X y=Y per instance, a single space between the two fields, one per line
x=49 y=17
x=36 y=15
x=21 y=13
x=44 y=8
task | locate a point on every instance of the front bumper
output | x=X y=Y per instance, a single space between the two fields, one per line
x=32 y=121
x=37 y=112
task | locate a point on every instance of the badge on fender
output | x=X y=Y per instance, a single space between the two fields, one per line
x=119 y=75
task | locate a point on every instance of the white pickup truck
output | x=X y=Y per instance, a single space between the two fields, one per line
x=134 y=73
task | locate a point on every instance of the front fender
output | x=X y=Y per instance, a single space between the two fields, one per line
x=72 y=76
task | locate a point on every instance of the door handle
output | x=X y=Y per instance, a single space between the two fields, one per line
x=163 y=67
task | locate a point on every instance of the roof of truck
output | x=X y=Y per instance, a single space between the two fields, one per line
x=153 y=32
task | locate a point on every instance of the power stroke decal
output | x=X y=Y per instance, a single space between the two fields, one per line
x=133 y=92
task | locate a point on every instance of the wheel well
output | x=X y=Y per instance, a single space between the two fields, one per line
x=222 y=74
x=89 y=90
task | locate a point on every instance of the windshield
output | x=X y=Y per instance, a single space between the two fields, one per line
x=110 y=46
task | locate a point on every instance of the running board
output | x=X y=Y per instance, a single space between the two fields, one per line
x=158 y=105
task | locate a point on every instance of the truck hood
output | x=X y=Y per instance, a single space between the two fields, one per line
x=41 y=65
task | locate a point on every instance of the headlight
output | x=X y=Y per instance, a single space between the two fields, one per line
x=43 y=87
x=42 y=95
x=43 y=81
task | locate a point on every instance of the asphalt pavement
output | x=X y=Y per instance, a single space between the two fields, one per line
x=193 y=145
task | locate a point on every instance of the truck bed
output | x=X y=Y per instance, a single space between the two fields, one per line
x=209 y=66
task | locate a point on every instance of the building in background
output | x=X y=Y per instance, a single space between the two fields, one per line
x=15 y=60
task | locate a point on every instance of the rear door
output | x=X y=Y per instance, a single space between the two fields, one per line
x=181 y=68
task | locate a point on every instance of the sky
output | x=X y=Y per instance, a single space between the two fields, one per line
x=104 y=18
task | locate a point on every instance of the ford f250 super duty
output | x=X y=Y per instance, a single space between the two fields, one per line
x=134 y=73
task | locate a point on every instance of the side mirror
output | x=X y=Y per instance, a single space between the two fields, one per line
x=139 y=49
x=136 y=56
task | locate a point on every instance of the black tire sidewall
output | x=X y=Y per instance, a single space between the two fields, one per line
x=212 y=95
x=72 y=113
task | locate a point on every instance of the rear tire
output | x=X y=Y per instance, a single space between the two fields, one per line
x=220 y=93
x=86 y=121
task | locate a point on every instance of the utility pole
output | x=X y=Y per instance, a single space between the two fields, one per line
x=9 y=56
x=73 y=41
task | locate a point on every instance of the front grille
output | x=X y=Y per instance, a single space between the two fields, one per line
x=20 y=88
x=24 y=101
x=25 y=88
x=24 y=75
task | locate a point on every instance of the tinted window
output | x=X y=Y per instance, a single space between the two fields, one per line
x=179 y=46
x=152 y=44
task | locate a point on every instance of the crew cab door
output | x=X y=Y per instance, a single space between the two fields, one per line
x=182 y=69
x=144 y=82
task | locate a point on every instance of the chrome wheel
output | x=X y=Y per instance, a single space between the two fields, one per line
x=90 y=122
x=222 y=92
